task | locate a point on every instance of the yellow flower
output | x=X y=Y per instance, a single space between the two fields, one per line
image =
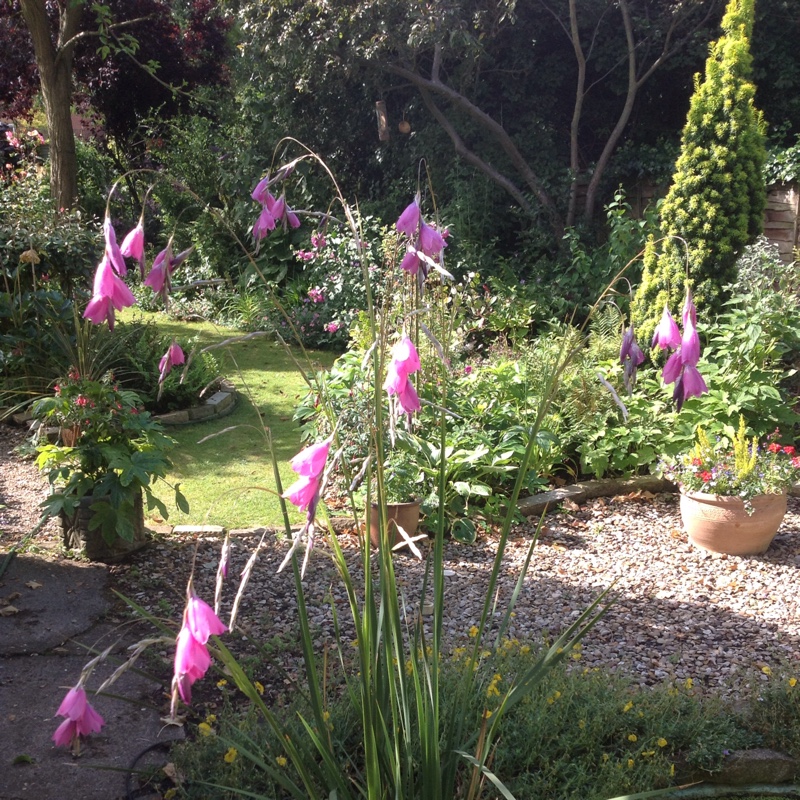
x=605 y=756
x=662 y=742
x=409 y=666
x=792 y=682
x=689 y=683
x=222 y=682
x=647 y=753
x=575 y=656
x=473 y=631
x=630 y=763
x=230 y=756
x=582 y=724
x=632 y=737
x=487 y=714
x=766 y=670
x=525 y=649
x=671 y=769
x=556 y=695
x=211 y=719
x=205 y=729
x=170 y=793
x=281 y=761
x=259 y=687
x=627 y=707
x=493 y=691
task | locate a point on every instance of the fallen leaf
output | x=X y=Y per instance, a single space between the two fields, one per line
x=23 y=758
x=34 y=585
x=8 y=611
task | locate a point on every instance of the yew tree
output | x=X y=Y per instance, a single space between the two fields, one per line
x=715 y=205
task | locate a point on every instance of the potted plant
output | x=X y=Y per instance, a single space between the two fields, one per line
x=403 y=490
x=107 y=454
x=733 y=493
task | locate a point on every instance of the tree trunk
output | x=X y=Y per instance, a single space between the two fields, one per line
x=54 y=61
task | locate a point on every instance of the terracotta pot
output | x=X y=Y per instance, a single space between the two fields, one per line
x=406 y=515
x=78 y=536
x=722 y=524
x=69 y=436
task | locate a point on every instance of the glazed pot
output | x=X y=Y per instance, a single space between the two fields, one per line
x=722 y=524
x=406 y=515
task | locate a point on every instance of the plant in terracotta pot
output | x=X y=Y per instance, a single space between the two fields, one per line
x=109 y=452
x=733 y=492
x=403 y=490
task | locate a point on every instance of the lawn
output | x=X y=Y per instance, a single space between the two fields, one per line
x=228 y=479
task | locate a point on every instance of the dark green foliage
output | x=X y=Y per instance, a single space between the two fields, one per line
x=716 y=203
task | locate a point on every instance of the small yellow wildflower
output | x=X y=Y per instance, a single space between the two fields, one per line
x=671 y=770
x=632 y=737
x=326 y=715
x=473 y=631
x=525 y=649
x=487 y=714
x=766 y=670
x=627 y=707
x=689 y=683
x=205 y=729
x=230 y=756
x=631 y=762
x=556 y=695
x=648 y=753
x=409 y=666
x=793 y=682
x=259 y=687
x=170 y=793
x=605 y=756
x=485 y=653
x=222 y=682
x=582 y=723
x=281 y=761
x=662 y=742
x=211 y=719
x=575 y=656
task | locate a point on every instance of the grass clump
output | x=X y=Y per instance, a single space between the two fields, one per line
x=581 y=733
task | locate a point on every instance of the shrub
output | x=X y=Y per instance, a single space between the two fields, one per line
x=717 y=199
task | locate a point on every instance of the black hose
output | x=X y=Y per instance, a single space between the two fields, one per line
x=130 y=792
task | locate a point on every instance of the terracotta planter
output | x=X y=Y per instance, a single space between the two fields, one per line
x=78 y=536
x=406 y=515
x=722 y=524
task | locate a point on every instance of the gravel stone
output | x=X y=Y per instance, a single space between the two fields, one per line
x=677 y=612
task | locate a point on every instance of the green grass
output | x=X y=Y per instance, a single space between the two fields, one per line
x=228 y=479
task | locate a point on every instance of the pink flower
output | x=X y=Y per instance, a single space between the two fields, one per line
x=332 y=327
x=309 y=464
x=81 y=718
x=264 y=224
x=430 y=240
x=261 y=192
x=109 y=294
x=690 y=344
x=405 y=361
x=173 y=356
x=318 y=241
x=689 y=311
x=164 y=264
x=133 y=246
x=408 y=398
x=192 y=659
x=411 y=261
x=113 y=253
x=311 y=461
x=316 y=295
x=409 y=220
x=667 y=335
x=202 y=621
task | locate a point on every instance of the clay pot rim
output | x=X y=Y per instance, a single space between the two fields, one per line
x=722 y=498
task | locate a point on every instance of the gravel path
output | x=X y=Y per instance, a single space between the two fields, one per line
x=679 y=613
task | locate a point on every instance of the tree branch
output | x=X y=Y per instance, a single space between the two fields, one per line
x=491 y=126
x=472 y=158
